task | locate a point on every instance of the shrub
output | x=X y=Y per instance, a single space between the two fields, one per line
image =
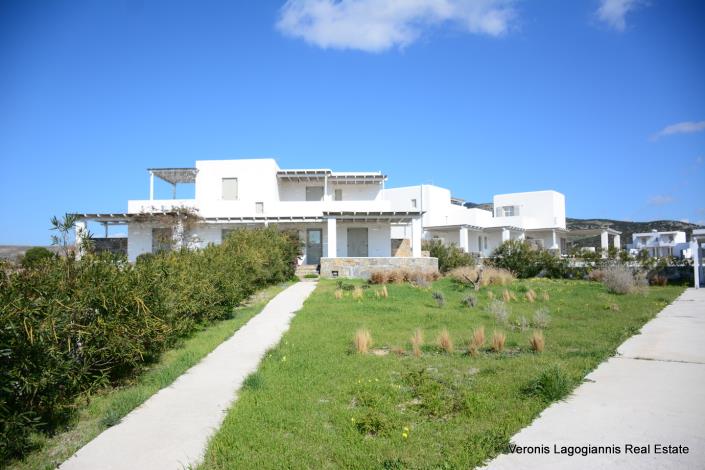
x=526 y=260
x=490 y=276
x=541 y=318
x=551 y=384
x=417 y=342
x=498 y=340
x=596 y=275
x=362 y=340
x=449 y=256
x=71 y=327
x=658 y=280
x=445 y=342
x=499 y=310
x=35 y=256
x=536 y=341
x=619 y=279
x=379 y=277
x=470 y=301
x=439 y=298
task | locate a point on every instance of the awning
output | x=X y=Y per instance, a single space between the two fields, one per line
x=373 y=216
x=175 y=175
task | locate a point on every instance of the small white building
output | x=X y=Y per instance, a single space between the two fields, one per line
x=659 y=244
x=537 y=216
x=344 y=219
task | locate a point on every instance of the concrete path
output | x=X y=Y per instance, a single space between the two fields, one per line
x=652 y=392
x=171 y=429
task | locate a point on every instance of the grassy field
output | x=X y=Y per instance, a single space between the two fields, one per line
x=106 y=409
x=316 y=403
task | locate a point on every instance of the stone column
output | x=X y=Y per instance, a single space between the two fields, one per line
x=554 y=241
x=81 y=232
x=604 y=243
x=416 y=237
x=151 y=186
x=464 y=239
x=332 y=252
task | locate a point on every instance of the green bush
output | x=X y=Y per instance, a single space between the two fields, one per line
x=449 y=256
x=68 y=327
x=526 y=260
x=35 y=256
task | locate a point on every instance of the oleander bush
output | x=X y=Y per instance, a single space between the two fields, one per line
x=69 y=327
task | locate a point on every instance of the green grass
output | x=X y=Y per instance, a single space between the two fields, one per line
x=100 y=411
x=315 y=403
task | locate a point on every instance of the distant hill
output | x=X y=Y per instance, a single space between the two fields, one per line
x=627 y=228
x=15 y=252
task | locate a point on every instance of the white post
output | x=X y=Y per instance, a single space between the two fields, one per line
x=604 y=242
x=151 y=186
x=505 y=235
x=332 y=238
x=695 y=250
x=617 y=242
x=81 y=231
x=464 y=239
x=416 y=237
x=554 y=243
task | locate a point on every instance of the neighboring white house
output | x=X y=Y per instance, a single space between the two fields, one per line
x=538 y=216
x=659 y=244
x=343 y=218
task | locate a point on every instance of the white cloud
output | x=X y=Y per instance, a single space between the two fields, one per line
x=378 y=25
x=661 y=200
x=686 y=127
x=613 y=12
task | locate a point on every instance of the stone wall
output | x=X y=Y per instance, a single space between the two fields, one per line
x=401 y=247
x=363 y=267
x=117 y=245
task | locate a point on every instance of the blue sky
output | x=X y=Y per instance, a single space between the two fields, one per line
x=602 y=100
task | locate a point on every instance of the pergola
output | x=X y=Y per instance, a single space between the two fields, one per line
x=604 y=234
x=173 y=176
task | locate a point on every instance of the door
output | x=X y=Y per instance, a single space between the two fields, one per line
x=314 y=247
x=357 y=242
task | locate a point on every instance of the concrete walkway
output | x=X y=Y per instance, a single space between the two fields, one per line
x=652 y=392
x=171 y=429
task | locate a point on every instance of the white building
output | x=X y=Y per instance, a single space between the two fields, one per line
x=538 y=216
x=342 y=218
x=659 y=244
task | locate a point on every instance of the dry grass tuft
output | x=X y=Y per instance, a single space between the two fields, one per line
x=498 y=340
x=490 y=275
x=399 y=351
x=384 y=292
x=362 y=340
x=530 y=296
x=379 y=277
x=357 y=293
x=490 y=296
x=477 y=341
x=506 y=296
x=338 y=294
x=445 y=341
x=536 y=341
x=417 y=342
x=546 y=297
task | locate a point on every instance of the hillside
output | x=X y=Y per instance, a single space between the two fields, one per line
x=627 y=228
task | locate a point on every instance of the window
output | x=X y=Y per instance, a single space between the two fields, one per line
x=338 y=194
x=507 y=211
x=259 y=207
x=314 y=193
x=485 y=243
x=413 y=203
x=229 y=189
x=479 y=243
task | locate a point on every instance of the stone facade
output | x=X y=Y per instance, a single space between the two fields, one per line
x=401 y=247
x=363 y=267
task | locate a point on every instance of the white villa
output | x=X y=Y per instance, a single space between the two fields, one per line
x=659 y=244
x=348 y=222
